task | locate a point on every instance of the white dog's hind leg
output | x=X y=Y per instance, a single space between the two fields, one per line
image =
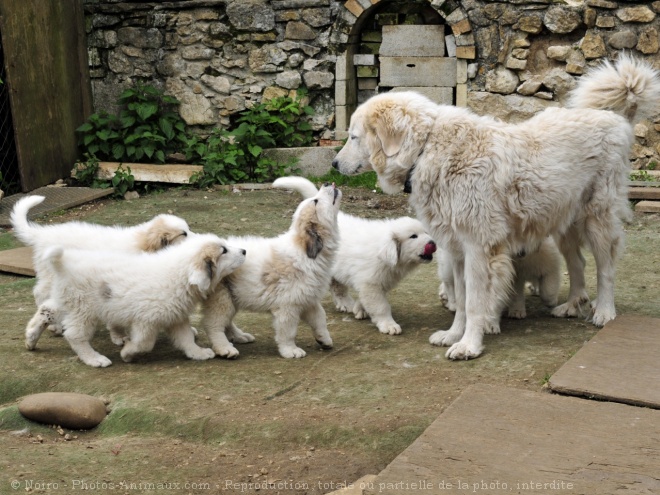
x=374 y=301
x=457 y=329
x=117 y=335
x=315 y=317
x=446 y=275
x=78 y=334
x=285 y=322
x=45 y=316
x=605 y=242
x=517 y=302
x=238 y=336
x=569 y=245
x=184 y=339
x=142 y=339
x=343 y=301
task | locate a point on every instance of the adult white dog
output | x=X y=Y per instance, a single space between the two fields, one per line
x=487 y=189
x=373 y=257
x=286 y=275
x=140 y=292
x=157 y=233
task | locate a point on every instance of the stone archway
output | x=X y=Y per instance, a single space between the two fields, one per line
x=458 y=45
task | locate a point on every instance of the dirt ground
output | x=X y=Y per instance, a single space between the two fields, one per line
x=263 y=424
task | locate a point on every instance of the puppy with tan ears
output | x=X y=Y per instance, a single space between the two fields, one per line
x=157 y=233
x=140 y=292
x=373 y=257
x=286 y=275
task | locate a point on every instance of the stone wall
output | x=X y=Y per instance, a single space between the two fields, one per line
x=513 y=58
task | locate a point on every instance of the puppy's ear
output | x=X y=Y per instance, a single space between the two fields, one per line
x=313 y=242
x=390 y=252
x=204 y=269
x=390 y=126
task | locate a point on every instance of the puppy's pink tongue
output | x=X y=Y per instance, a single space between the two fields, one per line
x=429 y=249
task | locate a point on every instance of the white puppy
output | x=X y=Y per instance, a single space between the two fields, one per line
x=157 y=233
x=287 y=275
x=487 y=189
x=541 y=269
x=140 y=292
x=373 y=257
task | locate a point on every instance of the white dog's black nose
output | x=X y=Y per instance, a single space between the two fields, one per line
x=243 y=252
x=335 y=164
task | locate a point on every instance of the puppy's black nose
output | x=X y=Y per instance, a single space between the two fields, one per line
x=432 y=242
x=243 y=252
x=335 y=164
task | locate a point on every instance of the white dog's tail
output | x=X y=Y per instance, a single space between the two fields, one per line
x=303 y=186
x=53 y=255
x=24 y=230
x=629 y=87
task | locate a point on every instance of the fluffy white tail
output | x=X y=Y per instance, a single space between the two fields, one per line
x=629 y=87
x=23 y=228
x=303 y=186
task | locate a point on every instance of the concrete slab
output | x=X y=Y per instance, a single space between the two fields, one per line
x=496 y=440
x=57 y=198
x=17 y=261
x=413 y=41
x=620 y=364
x=418 y=71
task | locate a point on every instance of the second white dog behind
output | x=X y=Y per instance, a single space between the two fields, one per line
x=373 y=257
x=140 y=292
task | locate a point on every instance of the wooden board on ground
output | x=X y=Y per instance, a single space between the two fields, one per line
x=17 y=261
x=648 y=192
x=620 y=363
x=648 y=207
x=57 y=198
x=496 y=440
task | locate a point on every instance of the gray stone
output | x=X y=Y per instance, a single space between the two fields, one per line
x=119 y=63
x=559 y=52
x=364 y=59
x=509 y=108
x=299 y=31
x=312 y=161
x=295 y=59
x=623 y=39
x=289 y=79
x=544 y=95
x=251 y=15
x=559 y=82
x=530 y=24
x=603 y=4
x=640 y=13
x=605 y=21
x=418 y=71
x=141 y=38
x=197 y=53
x=298 y=4
x=317 y=17
x=318 y=79
x=266 y=59
x=219 y=84
x=529 y=87
x=648 y=41
x=515 y=63
x=413 y=41
x=592 y=45
x=501 y=80
x=68 y=410
x=561 y=20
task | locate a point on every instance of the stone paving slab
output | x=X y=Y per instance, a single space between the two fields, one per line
x=495 y=440
x=620 y=363
x=17 y=261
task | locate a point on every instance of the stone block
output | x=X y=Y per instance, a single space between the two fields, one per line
x=413 y=41
x=312 y=161
x=341 y=118
x=341 y=68
x=461 y=95
x=450 y=43
x=467 y=52
x=364 y=59
x=418 y=71
x=366 y=71
x=340 y=92
x=461 y=71
x=461 y=27
x=441 y=96
x=367 y=83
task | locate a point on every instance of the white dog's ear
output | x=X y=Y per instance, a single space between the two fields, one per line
x=389 y=254
x=313 y=242
x=390 y=126
x=203 y=271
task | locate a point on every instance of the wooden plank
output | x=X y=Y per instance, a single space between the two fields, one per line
x=495 y=440
x=648 y=207
x=603 y=367
x=143 y=172
x=49 y=88
x=17 y=261
x=644 y=192
x=643 y=183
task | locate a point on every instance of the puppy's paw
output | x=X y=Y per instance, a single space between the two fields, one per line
x=461 y=350
x=442 y=293
x=56 y=329
x=229 y=352
x=292 y=352
x=444 y=338
x=194 y=331
x=98 y=361
x=533 y=289
x=600 y=317
x=492 y=327
x=516 y=314
x=200 y=354
x=450 y=305
x=326 y=344
x=242 y=338
x=117 y=339
x=389 y=328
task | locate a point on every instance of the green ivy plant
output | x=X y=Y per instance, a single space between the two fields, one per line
x=123 y=181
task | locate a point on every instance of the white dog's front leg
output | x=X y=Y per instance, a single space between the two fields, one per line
x=375 y=303
x=340 y=296
x=285 y=322
x=457 y=329
x=78 y=334
x=46 y=315
x=315 y=317
x=569 y=245
x=183 y=338
x=446 y=292
x=142 y=339
x=219 y=311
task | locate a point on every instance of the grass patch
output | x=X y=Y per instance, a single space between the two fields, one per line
x=367 y=180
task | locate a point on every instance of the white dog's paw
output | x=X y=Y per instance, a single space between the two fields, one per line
x=516 y=313
x=56 y=329
x=492 y=327
x=444 y=338
x=600 y=317
x=241 y=338
x=533 y=289
x=117 y=339
x=229 y=352
x=451 y=306
x=442 y=293
x=389 y=328
x=98 y=361
x=461 y=350
x=292 y=352
x=200 y=354
x=194 y=331
x=325 y=343
x=571 y=308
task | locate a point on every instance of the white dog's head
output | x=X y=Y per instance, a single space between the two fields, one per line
x=162 y=231
x=410 y=244
x=315 y=220
x=387 y=133
x=211 y=260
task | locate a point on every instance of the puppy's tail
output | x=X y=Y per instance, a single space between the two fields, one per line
x=53 y=255
x=25 y=230
x=301 y=185
x=629 y=87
